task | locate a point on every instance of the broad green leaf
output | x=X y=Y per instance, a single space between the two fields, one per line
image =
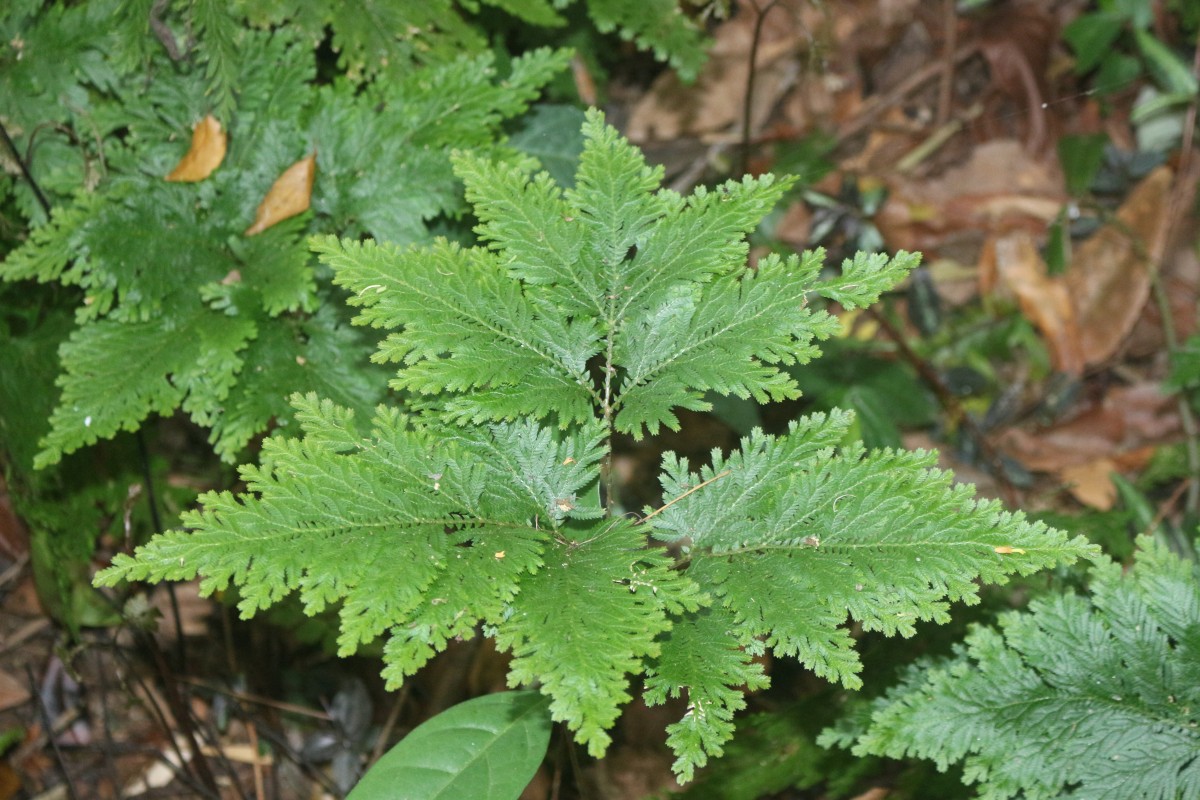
x=485 y=749
x=1091 y=36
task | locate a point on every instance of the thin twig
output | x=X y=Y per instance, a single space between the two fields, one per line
x=898 y=93
x=110 y=763
x=946 y=85
x=950 y=404
x=246 y=697
x=389 y=724
x=748 y=102
x=156 y=522
x=25 y=173
x=695 y=488
x=48 y=726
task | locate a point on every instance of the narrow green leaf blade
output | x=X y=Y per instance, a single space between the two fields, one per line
x=487 y=748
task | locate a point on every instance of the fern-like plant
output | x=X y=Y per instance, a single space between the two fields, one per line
x=180 y=309
x=1093 y=696
x=586 y=313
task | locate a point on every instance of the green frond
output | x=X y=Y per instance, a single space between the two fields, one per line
x=466 y=327
x=48 y=252
x=584 y=623
x=321 y=354
x=723 y=337
x=1086 y=696
x=190 y=361
x=657 y=25
x=699 y=659
x=218 y=32
x=381 y=525
x=865 y=277
x=884 y=538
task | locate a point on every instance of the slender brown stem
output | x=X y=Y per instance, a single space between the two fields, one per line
x=950 y=44
x=695 y=488
x=949 y=403
x=748 y=103
x=25 y=173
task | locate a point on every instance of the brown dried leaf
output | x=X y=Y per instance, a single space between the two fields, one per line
x=1091 y=483
x=1000 y=187
x=1122 y=428
x=1110 y=275
x=288 y=196
x=13 y=692
x=1016 y=263
x=204 y=156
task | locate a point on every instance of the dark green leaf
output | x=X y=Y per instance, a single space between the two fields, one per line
x=484 y=749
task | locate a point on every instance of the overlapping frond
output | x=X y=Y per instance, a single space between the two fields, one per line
x=183 y=311
x=794 y=536
x=1079 y=697
x=377 y=522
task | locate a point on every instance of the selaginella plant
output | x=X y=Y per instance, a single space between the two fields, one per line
x=486 y=500
x=183 y=306
x=1093 y=696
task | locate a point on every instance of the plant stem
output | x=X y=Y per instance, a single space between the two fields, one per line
x=748 y=103
x=25 y=173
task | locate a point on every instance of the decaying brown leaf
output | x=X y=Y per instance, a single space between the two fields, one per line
x=1001 y=187
x=205 y=155
x=1110 y=274
x=1091 y=483
x=1014 y=261
x=288 y=196
x=1123 y=429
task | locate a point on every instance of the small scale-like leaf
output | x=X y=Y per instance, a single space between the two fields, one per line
x=485 y=749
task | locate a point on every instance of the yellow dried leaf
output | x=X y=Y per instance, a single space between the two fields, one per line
x=288 y=196
x=205 y=155
x=1005 y=550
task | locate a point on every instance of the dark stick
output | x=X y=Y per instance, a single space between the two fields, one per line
x=48 y=726
x=749 y=101
x=950 y=403
x=25 y=173
x=156 y=521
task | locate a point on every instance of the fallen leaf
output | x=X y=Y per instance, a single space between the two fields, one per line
x=13 y=692
x=1123 y=427
x=1110 y=274
x=288 y=196
x=1008 y=549
x=1091 y=483
x=204 y=156
x=1014 y=260
x=1000 y=188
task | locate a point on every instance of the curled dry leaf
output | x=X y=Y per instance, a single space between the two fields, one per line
x=1091 y=483
x=1111 y=272
x=288 y=196
x=1001 y=187
x=205 y=155
x=1014 y=261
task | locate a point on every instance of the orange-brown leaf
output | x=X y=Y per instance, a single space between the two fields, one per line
x=1014 y=259
x=288 y=196
x=205 y=155
x=1110 y=277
